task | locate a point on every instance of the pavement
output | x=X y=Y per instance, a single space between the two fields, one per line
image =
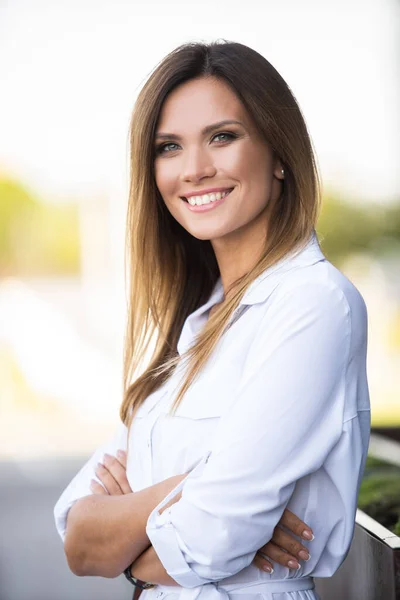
x=32 y=561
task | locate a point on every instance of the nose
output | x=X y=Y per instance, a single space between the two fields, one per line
x=196 y=165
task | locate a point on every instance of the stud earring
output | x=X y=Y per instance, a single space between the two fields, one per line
x=283 y=172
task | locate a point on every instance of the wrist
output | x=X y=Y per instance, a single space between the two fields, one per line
x=139 y=583
x=171 y=483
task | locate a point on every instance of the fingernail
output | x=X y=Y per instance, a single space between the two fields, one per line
x=121 y=453
x=293 y=564
x=99 y=464
x=307 y=535
x=268 y=569
x=304 y=555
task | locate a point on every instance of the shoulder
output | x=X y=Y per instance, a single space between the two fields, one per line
x=323 y=282
x=325 y=291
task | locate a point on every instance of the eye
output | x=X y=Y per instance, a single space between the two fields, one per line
x=164 y=148
x=224 y=136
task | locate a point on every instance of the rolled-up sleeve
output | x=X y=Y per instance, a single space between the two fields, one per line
x=285 y=420
x=79 y=487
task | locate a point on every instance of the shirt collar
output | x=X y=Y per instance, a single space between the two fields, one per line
x=259 y=290
x=263 y=285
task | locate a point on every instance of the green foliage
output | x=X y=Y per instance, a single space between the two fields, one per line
x=379 y=495
x=346 y=228
x=374 y=463
x=36 y=238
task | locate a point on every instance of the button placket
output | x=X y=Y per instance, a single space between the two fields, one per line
x=151 y=420
x=147 y=462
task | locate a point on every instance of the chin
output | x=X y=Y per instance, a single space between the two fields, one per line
x=206 y=233
x=200 y=236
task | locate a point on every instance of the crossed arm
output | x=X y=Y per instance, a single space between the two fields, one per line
x=101 y=536
x=103 y=539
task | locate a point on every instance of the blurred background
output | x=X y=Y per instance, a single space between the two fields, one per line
x=70 y=73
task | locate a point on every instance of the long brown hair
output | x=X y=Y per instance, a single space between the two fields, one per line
x=171 y=273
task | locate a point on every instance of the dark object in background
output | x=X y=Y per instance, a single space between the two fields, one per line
x=380 y=493
x=380 y=489
x=371 y=570
x=392 y=433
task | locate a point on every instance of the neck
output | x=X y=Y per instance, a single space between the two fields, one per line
x=235 y=259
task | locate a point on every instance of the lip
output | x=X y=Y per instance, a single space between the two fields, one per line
x=210 y=206
x=206 y=191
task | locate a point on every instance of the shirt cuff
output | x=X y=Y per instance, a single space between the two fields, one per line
x=166 y=541
x=60 y=517
x=74 y=492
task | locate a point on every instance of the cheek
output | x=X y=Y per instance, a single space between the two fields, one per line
x=234 y=160
x=165 y=179
x=257 y=168
x=244 y=162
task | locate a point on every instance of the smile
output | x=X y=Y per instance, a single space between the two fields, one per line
x=206 y=201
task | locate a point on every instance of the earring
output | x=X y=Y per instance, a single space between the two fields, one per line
x=283 y=172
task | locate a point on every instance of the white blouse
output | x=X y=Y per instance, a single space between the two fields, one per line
x=279 y=417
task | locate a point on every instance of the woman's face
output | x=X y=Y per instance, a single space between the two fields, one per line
x=207 y=146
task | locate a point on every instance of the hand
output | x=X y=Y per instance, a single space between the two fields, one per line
x=284 y=548
x=114 y=482
x=112 y=474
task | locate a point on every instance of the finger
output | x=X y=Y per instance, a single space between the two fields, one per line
x=122 y=457
x=289 y=543
x=273 y=552
x=263 y=563
x=292 y=522
x=97 y=488
x=108 y=480
x=118 y=471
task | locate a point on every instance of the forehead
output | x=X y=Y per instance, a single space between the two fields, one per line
x=200 y=102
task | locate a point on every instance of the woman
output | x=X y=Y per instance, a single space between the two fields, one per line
x=255 y=403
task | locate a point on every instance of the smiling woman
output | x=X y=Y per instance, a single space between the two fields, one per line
x=251 y=422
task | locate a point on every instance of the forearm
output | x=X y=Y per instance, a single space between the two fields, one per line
x=149 y=567
x=106 y=533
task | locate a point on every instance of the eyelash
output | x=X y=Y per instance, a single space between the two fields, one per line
x=160 y=149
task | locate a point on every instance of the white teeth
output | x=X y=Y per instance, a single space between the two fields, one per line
x=207 y=198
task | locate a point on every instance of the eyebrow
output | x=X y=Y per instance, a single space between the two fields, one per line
x=205 y=131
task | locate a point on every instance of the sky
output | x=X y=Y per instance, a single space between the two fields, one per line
x=71 y=70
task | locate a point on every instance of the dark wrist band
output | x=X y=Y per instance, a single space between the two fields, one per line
x=143 y=585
